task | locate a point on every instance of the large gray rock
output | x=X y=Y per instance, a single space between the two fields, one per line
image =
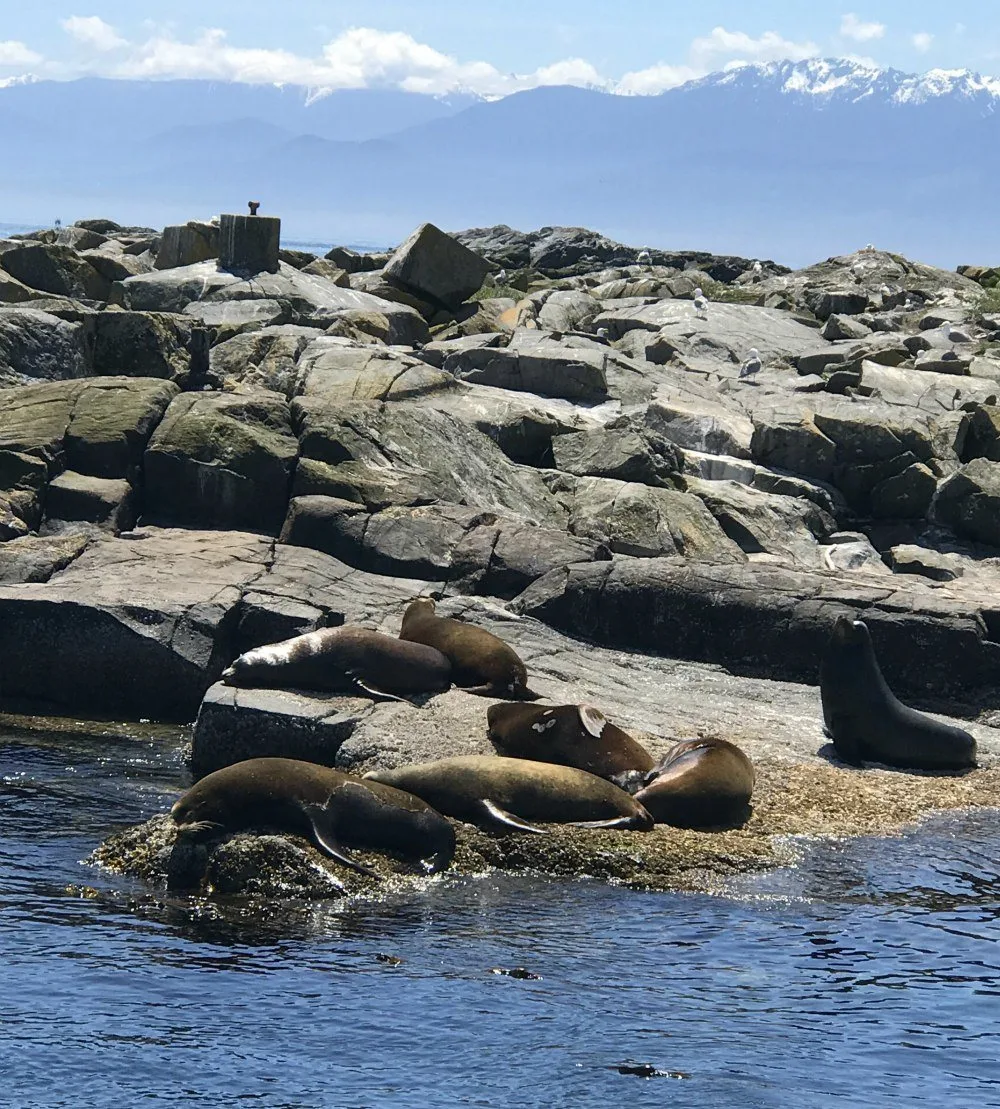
x=35 y=344
x=150 y=344
x=535 y=363
x=624 y=453
x=219 y=460
x=633 y=519
x=186 y=244
x=55 y=269
x=438 y=267
x=771 y=622
x=311 y=301
x=408 y=454
x=336 y=369
x=969 y=502
x=264 y=359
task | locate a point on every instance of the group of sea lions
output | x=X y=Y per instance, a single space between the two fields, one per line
x=557 y=764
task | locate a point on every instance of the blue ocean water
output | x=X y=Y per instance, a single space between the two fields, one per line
x=868 y=975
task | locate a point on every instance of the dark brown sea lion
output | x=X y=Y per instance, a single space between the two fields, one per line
x=865 y=720
x=499 y=794
x=481 y=662
x=327 y=806
x=344 y=660
x=701 y=783
x=571 y=735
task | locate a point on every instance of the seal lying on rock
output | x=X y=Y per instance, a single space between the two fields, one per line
x=499 y=794
x=327 y=806
x=701 y=783
x=866 y=721
x=481 y=662
x=344 y=659
x=571 y=735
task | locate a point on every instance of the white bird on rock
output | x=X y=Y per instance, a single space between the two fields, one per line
x=700 y=302
x=952 y=334
x=643 y=256
x=501 y=278
x=752 y=365
x=756 y=269
x=602 y=333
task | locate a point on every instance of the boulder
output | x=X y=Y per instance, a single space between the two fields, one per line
x=969 y=502
x=404 y=454
x=81 y=498
x=264 y=359
x=13 y=291
x=334 y=368
x=437 y=267
x=32 y=558
x=625 y=454
x=220 y=460
x=644 y=522
x=770 y=621
x=233 y=317
x=908 y=558
x=150 y=344
x=35 y=344
x=55 y=269
x=311 y=301
x=535 y=363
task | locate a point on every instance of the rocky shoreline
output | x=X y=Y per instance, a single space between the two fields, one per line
x=546 y=432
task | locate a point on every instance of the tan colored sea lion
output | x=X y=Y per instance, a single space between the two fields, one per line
x=324 y=805
x=481 y=662
x=344 y=659
x=865 y=719
x=701 y=783
x=571 y=735
x=504 y=795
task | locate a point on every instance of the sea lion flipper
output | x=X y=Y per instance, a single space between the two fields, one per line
x=501 y=820
x=327 y=843
x=372 y=690
x=633 y=822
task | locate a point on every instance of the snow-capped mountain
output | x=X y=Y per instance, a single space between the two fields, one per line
x=793 y=161
x=828 y=80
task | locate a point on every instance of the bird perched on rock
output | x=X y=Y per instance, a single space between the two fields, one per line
x=757 y=269
x=643 y=256
x=700 y=302
x=602 y=333
x=501 y=278
x=952 y=334
x=752 y=365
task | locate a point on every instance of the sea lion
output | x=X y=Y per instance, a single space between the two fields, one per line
x=701 y=783
x=503 y=795
x=324 y=805
x=481 y=662
x=344 y=659
x=571 y=735
x=865 y=720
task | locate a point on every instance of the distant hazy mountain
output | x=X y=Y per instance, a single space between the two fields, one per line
x=793 y=161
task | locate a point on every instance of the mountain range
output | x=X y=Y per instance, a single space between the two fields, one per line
x=793 y=161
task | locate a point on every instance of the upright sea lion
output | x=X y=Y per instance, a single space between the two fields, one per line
x=866 y=721
x=571 y=735
x=481 y=662
x=499 y=794
x=701 y=783
x=342 y=660
x=327 y=806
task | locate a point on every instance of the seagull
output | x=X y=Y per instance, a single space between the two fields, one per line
x=869 y=248
x=643 y=256
x=756 y=269
x=700 y=302
x=501 y=277
x=951 y=334
x=884 y=291
x=752 y=365
x=602 y=333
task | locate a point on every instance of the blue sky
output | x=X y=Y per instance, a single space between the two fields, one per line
x=630 y=45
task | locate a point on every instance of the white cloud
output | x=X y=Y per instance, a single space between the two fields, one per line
x=723 y=46
x=922 y=41
x=852 y=28
x=717 y=50
x=14 y=54
x=91 y=30
x=358 y=58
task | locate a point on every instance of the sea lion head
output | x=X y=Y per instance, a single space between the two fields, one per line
x=197 y=814
x=850 y=633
